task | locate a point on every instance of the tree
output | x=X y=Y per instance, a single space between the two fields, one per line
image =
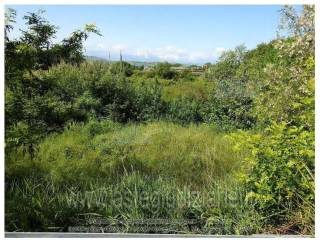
x=282 y=155
x=124 y=67
x=10 y=15
x=290 y=79
x=27 y=95
x=71 y=48
x=230 y=102
x=163 y=70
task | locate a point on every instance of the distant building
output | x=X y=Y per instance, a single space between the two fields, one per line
x=148 y=68
x=196 y=70
x=179 y=69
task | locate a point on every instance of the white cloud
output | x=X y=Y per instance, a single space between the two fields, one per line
x=171 y=53
x=220 y=50
x=165 y=53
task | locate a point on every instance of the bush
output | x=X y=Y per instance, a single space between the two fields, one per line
x=231 y=212
x=230 y=114
x=185 y=110
x=163 y=70
x=282 y=169
x=122 y=67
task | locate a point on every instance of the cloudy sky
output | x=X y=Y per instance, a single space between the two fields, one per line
x=186 y=34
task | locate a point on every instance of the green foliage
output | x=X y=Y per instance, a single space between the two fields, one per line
x=10 y=15
x=274 y=85
x=78 y=131
x=71 y=48
x=198 y=90
x=128 y=205
x=122 y=67
x=236 y=78
x=39 y=33
x=163 y=70
x=231 y=213
x=291 y=78
x=282 y=168
x=193 y=154
x=185 y=110
x=226 y=67
x=40 y=109
x=231 y=114
x=185 y=75
x=88 y=167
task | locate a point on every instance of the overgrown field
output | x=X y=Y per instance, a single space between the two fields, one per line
x=148 y=171
x=94 y=146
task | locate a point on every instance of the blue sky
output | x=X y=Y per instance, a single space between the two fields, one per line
x=188 y=34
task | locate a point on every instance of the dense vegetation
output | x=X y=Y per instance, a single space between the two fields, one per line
x=230 y=151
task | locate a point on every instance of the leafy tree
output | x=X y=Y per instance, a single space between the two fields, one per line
x=122 y=68
x=29 y=98
x=289 y=79
x=10 y=15
x=163 y=70
x=282 y=156
x=230 y=102
x=71 y=48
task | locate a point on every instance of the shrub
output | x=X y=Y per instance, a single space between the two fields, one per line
x=185 y=110
x=163 y=70
x=282 y=169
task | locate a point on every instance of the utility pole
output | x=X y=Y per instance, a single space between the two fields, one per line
x=120 y=61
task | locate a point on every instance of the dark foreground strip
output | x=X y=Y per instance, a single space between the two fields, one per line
x=134 y=235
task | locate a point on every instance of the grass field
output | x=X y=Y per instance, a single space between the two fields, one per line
x=81 y=170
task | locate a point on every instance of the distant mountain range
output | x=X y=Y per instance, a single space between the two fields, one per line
x=135 y=63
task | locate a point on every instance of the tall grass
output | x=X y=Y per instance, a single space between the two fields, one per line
x=198 y=90
x=133 y=204
x=183 y=176
x=192 y=155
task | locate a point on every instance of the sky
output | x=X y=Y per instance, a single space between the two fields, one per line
x=185 y=34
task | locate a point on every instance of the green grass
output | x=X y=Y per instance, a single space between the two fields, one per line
x=187 y=176
x=157 y=170
x=192 y=155
x=199 y=90
x=40 y=205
